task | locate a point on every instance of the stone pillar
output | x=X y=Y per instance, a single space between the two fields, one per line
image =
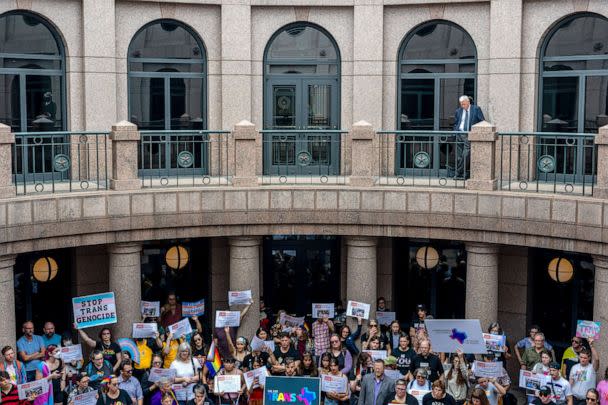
x=482 y=283
x=363 y=157
x=601 y=140
x=245 y=275
x=125 y=138
x=245 y=154
x=361 y=276
x=483 y=151
x=99 y=63
x=600 y=305
x=7 y=301
x=125 y=282
x=7 y=140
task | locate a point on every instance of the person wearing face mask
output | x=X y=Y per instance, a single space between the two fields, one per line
x=51 y=369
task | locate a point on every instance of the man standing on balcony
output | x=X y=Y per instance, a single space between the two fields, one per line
x=465 y=117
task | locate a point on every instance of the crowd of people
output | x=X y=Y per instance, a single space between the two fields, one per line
x=382 y=364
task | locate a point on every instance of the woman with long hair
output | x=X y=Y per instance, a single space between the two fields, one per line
x=110 y=349
x=51 y=369
x=239 y=350
x=336 y=398
x=456 y=379
x=307 y=368
x=324 y=363
x=478 y=397
x=349 y=338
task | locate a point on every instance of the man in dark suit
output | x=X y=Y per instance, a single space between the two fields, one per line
x=464 y=118
x=377 y=388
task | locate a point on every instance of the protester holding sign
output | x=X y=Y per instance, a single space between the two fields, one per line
x=171 y=312
x=420 y=385
x=186 y=370
x=229 y=369
x=81 y=387
x=256 y=389
x=9 y=392
x=106 y=345
x=349 y=339
x=456 y=378
x=238 y=351
x=491 y=388
x=336 y=396
x=583 y=375
x=261 y=354
x=343 y=356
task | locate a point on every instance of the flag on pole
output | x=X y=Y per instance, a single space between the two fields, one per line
x=213 y=362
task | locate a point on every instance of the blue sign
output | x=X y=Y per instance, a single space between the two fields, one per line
x=94 y=310
x=296 y=390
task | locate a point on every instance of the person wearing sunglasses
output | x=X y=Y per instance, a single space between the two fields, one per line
x=570 y=357
x=372 y=332
x=592 y=397
x=111 y=394
x=544 y=397
x=419 y=384
x=127 y=382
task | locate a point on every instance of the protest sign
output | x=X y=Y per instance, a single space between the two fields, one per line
x=181 y=328
x=495 y=343
x=449 y=335
x=588 y=329
x=227 y=318
x=376 y=354
x=196 y=308
x=385 y=318
x=290 y=321
x=333 y=383
x=260 y=373
x=239 y=297
x=38 y=387
x=531 y=381
x=488 y=369
x=89 y=398
x=227 y=383
x=181 y=392
x=158 y=373
x=297 y=390
x=321 y=310
x=94 y=310
x=357 y=309
x=128 y=345
x=144 y=330
x=150 y=309
x=418 y=394
x=258 y=344
x=71 y=353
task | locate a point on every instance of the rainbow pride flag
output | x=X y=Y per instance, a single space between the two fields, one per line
x=213 y=362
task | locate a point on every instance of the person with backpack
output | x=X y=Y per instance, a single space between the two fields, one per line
x=14 y=368
x=97 y=369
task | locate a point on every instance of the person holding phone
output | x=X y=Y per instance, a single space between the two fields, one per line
x=52 y=370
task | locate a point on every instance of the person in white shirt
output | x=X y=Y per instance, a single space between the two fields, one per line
x=583 y=375
x=561 y=392
x=186 y=371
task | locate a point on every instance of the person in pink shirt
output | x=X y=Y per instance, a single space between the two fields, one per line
x=602 y=388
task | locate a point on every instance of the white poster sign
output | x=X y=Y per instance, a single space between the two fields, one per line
x=385 y=318
x=150 y=309
x=531 y=381
x=488 y=369
x=157 y=373
x=495 y=343
x=71 y=353
x=239 y=297
x=260 y=345
x=260 y=373
x=449 y=335
x=357 y=309
x=37 y=388
x=376 y=354
x=321 y=310
x=227 y=383
x=227 y=318
x=181 y=328
x=333 y=383
x=290 y=321
x=144 y=330
x=89 y=398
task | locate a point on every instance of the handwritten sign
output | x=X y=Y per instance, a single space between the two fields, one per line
x=239 y=297
x=321 y=310
x=150 y=309
x=94 y=310
x=227 y=318
x=71 y=353
x=588 y=329
x=196 y=308
x=358 y=309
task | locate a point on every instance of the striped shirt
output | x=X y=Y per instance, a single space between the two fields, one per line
x=12 y=397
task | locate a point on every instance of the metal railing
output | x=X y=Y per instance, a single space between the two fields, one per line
x=422 y=158
x=302 y=156
x=550 y=162
x=185 y=158
x=61 y=161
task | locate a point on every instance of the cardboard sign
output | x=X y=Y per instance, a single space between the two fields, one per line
x=181 y=328
x=94 y=310
x=71 y=353
x=495 y=343
x=196 y=308
x=227 y=318
x=150 y=309
x=296 y=390
x=357 y=309
x=144 y=330
x=260 y=373
x=488 y=369
x=588 y=329
x=157 y=373
x=38 y=387
x=239 y=297
x=89 y=398
x=531 y=381
x=385 y=318
x=449 y=335
x=333 y=383
x=321 y=310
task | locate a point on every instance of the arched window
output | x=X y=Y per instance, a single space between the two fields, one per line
x=167 y=82
x=302 y=93
x=574 y=75
x=32 y=74
x=437 y=64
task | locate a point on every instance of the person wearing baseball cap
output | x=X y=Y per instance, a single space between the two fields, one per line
x=544 y=397
x=561 y=393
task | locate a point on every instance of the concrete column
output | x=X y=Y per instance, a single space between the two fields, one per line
x=600 y=305
x=7 y=301
x=245 y=275
x=99 y=63
x=220 y=274
x=125 y=138
x=125 y=282
x=363 y=157
x=361 y=275
x=601 y=140
x=482 y=283
x=246 y=140
x=236 y=62
x=483 y=155
x=7 y=140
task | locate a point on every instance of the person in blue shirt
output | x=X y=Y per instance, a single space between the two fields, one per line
x=31 y=350
x=50 y=337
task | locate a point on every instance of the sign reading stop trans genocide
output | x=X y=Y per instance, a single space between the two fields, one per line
x=94 y=310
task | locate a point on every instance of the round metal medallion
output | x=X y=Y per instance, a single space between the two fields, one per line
x=422 y=160
x=61 y=162
x=546 y=163
x=185 y=159
x=304 y=158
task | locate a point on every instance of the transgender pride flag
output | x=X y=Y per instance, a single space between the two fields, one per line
x=213 y=362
